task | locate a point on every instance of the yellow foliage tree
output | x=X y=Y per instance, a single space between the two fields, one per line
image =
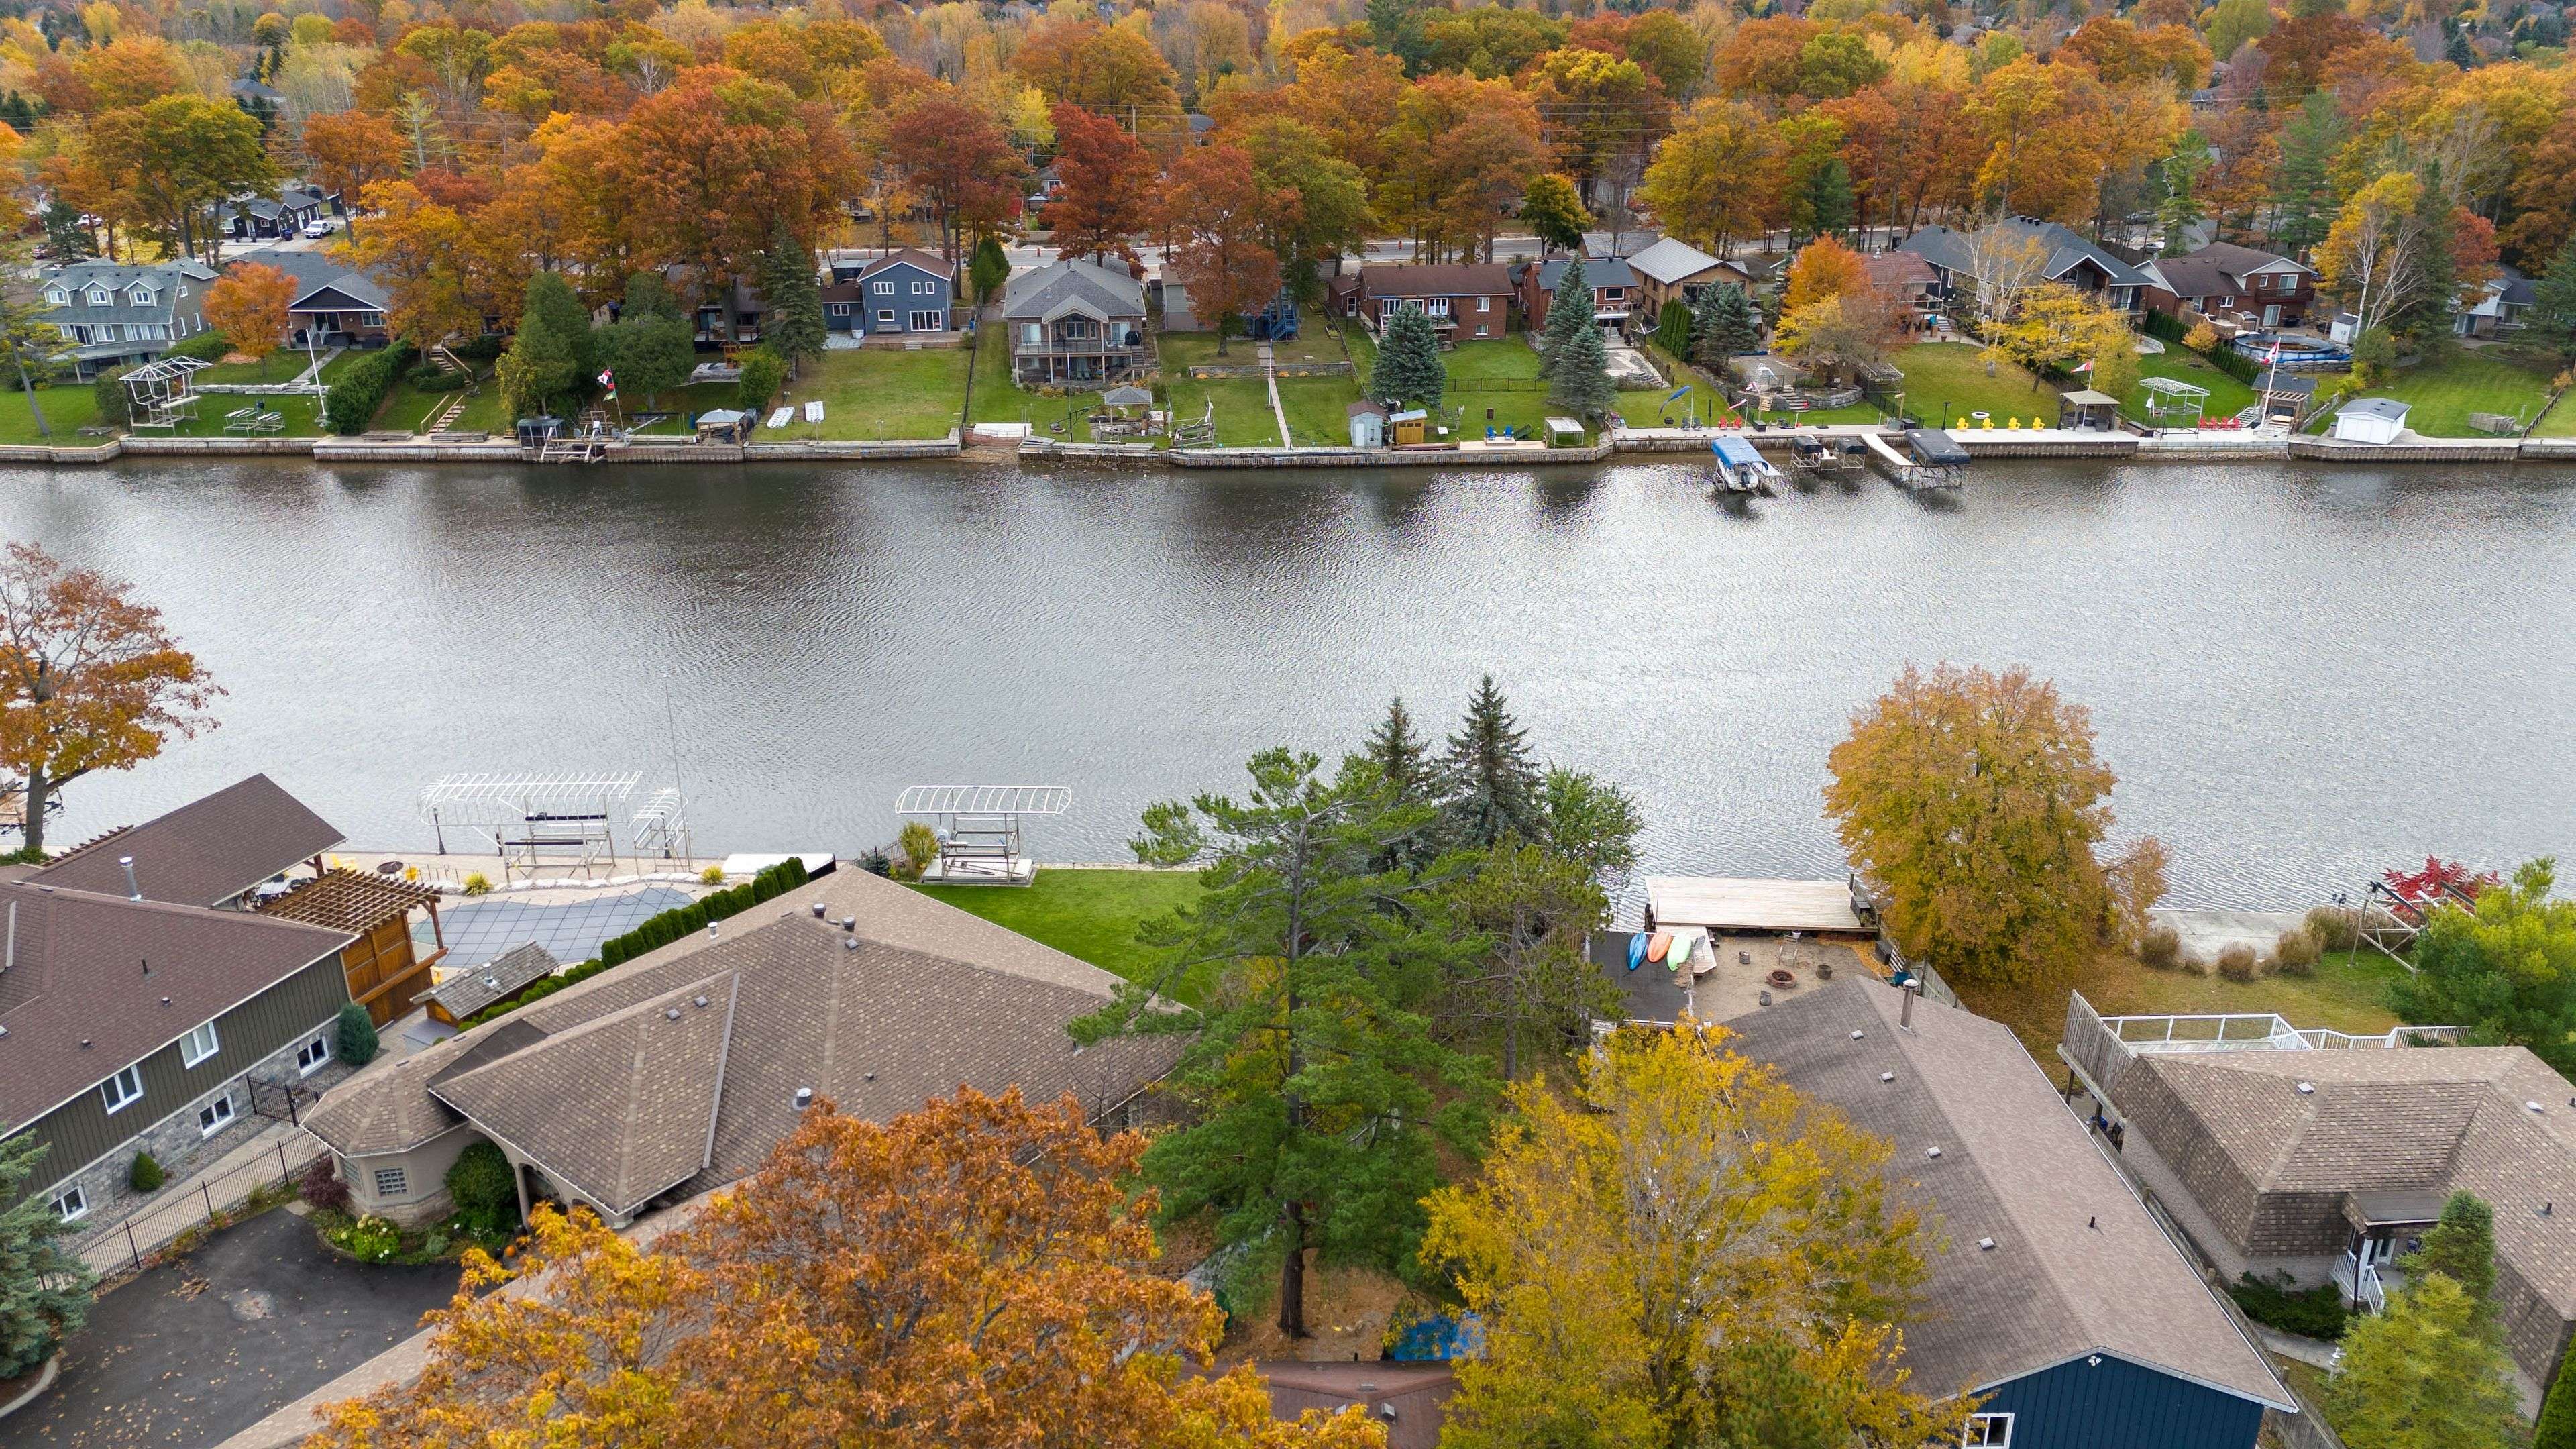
x=2055 y=327
x=1824 y=268
x=248 y=305
x=1683 y=1251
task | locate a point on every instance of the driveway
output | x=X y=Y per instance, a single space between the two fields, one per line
x=193 y=1351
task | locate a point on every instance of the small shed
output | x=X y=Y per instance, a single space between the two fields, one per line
x=466 y=992
x=1411 y=426
x=2086 y=409
x=1564 y=433
x=1368 y=423
x=2370 y=420
x=2286 y=396
x=723 y=425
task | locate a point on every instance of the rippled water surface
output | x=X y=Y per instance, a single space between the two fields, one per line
x=2299 y=673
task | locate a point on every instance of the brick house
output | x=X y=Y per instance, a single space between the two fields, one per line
x=1465 y=301
x=2241 y=286
x=1615 y=295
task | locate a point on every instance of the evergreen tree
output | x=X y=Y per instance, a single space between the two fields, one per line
x=551 y=298
x=2425 y=1373
x=1400 y=754
x=2458 y=52
x=2462 y=1247
x=1569 y=311
x=1490 y=786
x=1409 y=369
x=1723 y=325
x=1824 y=205
x=2554 y=311
x=648 y=294
x=988 y=271
x=552 y=359
x=2557 y=1426
x=793 y=325
x=354 y=1038
x=1581 y=383
x=67 y=234
x=2303 y=194
x=44 y=1291
x=1314 y=1030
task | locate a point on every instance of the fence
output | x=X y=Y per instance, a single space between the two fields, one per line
x=128 y=1243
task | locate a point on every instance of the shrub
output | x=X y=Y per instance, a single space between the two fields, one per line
x=2237 y=961
x=2203 y=338
x=357 y=1035
x=485 y=1189
x=877 y=862
x=432 y=377
x=2313 y=1312
x=2161 y=948
x=321 y=1187
x=712 y=875
x=2374 y=358
x=2296 y=953
x=484 y=347
x=208 y=346
x=763 y=371
x=920 y=846
x=115 y=408
x=146 y=1174
x=362 y=387
x=2235 y=364
x=478 y=884
x=370 y=1239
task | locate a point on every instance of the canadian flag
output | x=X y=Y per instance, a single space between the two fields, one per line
x=608 y=380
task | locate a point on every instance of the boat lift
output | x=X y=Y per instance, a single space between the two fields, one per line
x=979 y=829
x=1738 y=466
x=532 y=822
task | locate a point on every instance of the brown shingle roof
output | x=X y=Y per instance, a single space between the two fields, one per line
x=1444 y=280
x=77 y=1005
x=204 y=852
x=2077 y=1265
x=470 y=991
x=1417 y=1393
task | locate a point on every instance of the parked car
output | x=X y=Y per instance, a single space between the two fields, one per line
x=316 y=230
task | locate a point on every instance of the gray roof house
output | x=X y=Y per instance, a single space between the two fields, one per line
x=335 y=305
x=1075 y=321
x=112 y=315
x=468 y=991
x=266 y=218
x=1614 y=290
x=2500 y=307
x=2066 y=257
x=680 y=1070
x=1675 y=271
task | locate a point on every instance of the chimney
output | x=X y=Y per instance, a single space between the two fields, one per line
x=133 y=892
x=1905 y=1014
x=12 y=958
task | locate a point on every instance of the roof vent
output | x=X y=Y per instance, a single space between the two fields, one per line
x=872 y=1076
x=670 y=1013
x=165 y=1001
x=2094 y=1222
x=84 y=1043
x=133 y=892
x=1855 y=1036
x=491 y=983
x=1887 y=1076
x=849 y=943
x=1985 y=1245
x=804 y=1098
x=818 y=910
x=711 y=930
x=699 y=1002
x=2307 y=1089
x=2535 y=1106
x=1931 y=1151
x=849 y=923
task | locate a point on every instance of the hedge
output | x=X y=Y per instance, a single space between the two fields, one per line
x=657 y=931
x=2312 y=1313
x=207 y=346
x=2164 y=327
x=362 y=388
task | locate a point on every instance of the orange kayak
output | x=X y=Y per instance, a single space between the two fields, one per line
x=1657 y=945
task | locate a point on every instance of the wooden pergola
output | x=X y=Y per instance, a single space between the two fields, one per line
x=386 y=973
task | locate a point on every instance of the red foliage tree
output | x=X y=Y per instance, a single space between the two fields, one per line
x=1219 y=211
x=957 y=161
x=1108 y=185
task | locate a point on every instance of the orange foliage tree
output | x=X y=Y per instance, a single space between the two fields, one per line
x=1825 y=268
x=1216 y=207
x=1108 y=185
x=349 y=152
x=248 y=305
x=971 y=1274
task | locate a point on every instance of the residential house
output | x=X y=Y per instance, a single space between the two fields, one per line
x=1907 y=280
x=2324 y=1156
x=335 y=304
x=1076 y=322
x=902 y=292
x=1614 y=291
x=262 y=218
x=679 y=1071
x=114 y=316
x=1676 y=271
x=2062 y=256
x=2243 y=287
x=2050 y=1292
x=2501 y=306
x=1464 y=300
x=1409 y=1400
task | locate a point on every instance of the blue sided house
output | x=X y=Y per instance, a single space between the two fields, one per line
x=2052 y=1296
x=902 y=292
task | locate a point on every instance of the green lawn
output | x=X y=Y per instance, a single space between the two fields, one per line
x=876 y=393
x=67 y=410
x=2227 y=396
x=1092 y=914
x=2347 y=992
x=1242 y=407
x=2560 y=420
x=1944 y=382
x=1318 y=409
x=997 y=399
x=2444 y=393
x=413 y=409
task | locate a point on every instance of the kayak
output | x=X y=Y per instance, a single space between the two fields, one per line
x=1657 y=944
x=1636 y=950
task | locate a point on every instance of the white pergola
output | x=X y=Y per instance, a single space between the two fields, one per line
x=157 y=394
x=2172 y=398
x=530 y=820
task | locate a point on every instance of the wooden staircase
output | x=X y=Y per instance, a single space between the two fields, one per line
x=447 y=415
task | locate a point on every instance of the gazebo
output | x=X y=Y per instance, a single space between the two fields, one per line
x=2173 y=403
x=2088 y=410
x=157 y=394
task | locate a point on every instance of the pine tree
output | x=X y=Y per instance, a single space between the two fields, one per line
x=2303 y=193
x=1491 y=787
x=2426 y=1372
x=2554 y=313
x=1569 y=311
x=793 y=326
x=1581 y=383
x=2557 y=1426
x=1409 y=369
x=988 y=270
x=551 y=298
x=44 y=1291
x=2462 y=1246
x=1724 y=325
x=1399 y=752
x=1824 y=203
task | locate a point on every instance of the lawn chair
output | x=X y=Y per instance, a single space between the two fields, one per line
x=269 y=423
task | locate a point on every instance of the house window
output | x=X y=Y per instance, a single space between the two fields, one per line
x=392 y=1182
x=1989 y=1431
x=883 y=289
x=124 y=1089
x=838 y=309
x=885 y=318
x=1484 y=304
x=928 y=322
x=371 y=319
x=313 y=1056
x=198 y=1045
x=215 y=1116
x=72 y=1206
x=142 y=296
x=98 y=296
x=2227 y=301
x=58 y=296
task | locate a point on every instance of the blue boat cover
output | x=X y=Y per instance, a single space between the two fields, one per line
x=1734 y=450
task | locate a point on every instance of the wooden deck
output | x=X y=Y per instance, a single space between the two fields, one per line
x=1738 y=903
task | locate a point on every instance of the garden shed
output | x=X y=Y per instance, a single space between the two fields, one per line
x=2370 y=420
x=2089 y=410
x=1368 y=423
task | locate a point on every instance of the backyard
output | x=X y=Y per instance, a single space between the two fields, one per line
x=997 y=399
x=1090 y=914
x=2443 y=393
x=2347 y=992
x=2227 y=396
x=877 y=393
x=67 y=410
x=1494 y=385
x=1945 y=382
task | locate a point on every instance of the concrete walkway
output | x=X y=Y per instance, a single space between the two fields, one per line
x=1270 y=379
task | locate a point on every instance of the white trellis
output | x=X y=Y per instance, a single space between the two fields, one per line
x=531 y=821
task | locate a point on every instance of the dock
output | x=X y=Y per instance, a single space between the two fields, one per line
x=1922 y=458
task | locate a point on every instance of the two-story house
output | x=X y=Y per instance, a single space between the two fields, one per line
x=900 y=293
x=1675 y=271
x=1614 y=291
x=114 y=316
x=1464 y=301
x=2228 y=283
x=1076 y=322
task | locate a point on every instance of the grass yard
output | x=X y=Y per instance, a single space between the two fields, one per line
x=1318 y=409
x=997 y=399
x=2348 y=992
x=876 y=393
x=67 y=410
x=1945 y=382
x=2560 y=420
x=413 y=409
x=2227 y=396
x=1092 y=914
x=2444 y=393
x=1242 y=407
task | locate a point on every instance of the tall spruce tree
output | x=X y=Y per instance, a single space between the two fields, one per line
x=2557 y=1426
x=1319 y=1097
x=1569 y=312
x=2461 y=1245
x=1490 y=785
x=793 y=325
x=44 y=1291
x=1400 y=753
x=988 y=270
x=1723 y=325
x=1581 y=382
x=1409 y=369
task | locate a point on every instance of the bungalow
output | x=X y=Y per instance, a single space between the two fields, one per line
x=1676 y=271
x=261 y=218
x=2063 y=256
x=849 y=987
x=1614 y=291
x=1075 y=322
x=1463 y=300
x=2499 y=307
x=902 y=292
x=2239 y=285
x=335 y=304
x=114 y=316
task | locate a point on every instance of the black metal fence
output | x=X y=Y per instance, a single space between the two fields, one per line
x=130 y=1243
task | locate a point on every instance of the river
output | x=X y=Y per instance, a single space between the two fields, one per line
x=2301 y=673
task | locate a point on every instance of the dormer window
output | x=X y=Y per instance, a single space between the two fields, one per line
x=142 y=296
x=100 y=296
x=58 y=296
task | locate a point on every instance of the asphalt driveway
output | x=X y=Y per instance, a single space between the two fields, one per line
x=192 y=1352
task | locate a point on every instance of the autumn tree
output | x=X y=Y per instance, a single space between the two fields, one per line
x=93 y=679
x=176 y=159
x=1645 y=1280
x=2386 y=257
x=419 y=250
x=2054 y=327
x=1332 y=215
x=957 y=161
x=1318 y=1095
x=1598 y=107
x=1840 y=336
x=2505 y=968
x=974 y=1273
x=1824 y=268
x=248 y=305
x=1105 y=68
x=1553 y=211
x=1717 y=176
x=348 y=152
x=1108 y=186
x=1973 y=803
x=1218 y=213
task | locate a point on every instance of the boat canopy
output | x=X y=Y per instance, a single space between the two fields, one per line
x=1734 y=451
x=1931 y=445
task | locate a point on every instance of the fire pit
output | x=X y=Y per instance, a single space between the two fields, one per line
x=1782 y=979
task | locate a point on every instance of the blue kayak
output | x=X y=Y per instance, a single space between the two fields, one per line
x=1636 y=950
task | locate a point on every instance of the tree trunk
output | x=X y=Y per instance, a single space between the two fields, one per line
x=40 y=787
x=1292 y=1276
x=29 y=388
